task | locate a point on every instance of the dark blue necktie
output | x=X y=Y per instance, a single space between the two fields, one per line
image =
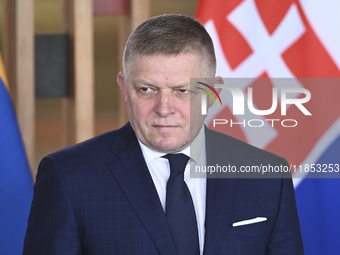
x=179 y=209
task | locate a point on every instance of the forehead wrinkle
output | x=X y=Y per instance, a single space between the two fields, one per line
x=144 y=82
x=184 y=85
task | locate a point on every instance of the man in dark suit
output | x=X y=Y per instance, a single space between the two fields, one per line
x=110 y=194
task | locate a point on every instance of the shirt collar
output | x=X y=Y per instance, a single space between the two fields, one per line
x=195 y=151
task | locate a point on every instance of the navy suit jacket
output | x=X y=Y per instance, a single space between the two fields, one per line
x=98 y=197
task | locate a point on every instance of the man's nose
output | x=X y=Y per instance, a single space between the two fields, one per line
x=164 y=105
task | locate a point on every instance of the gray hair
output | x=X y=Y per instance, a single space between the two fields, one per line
x=170 y=35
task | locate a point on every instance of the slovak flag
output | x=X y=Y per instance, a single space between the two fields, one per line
x=266 y=42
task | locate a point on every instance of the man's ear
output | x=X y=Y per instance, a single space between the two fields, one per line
x=217 y=80
x=121 y=83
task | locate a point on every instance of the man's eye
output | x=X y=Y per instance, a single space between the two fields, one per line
x=146 y=92
x=145 y=89
x=184 y=91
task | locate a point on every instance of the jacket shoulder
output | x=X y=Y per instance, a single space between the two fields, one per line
x=231 y=145
x=98 y=144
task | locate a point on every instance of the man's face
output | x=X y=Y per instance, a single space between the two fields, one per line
x=157 y=95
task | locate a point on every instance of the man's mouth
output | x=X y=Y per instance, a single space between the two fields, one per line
x=165 y=127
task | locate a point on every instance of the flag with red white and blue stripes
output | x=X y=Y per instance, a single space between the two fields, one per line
x=266 y=41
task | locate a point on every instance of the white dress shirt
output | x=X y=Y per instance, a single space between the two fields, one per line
x=160 y=171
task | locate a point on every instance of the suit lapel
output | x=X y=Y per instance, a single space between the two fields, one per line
x=132 y=174
x=220 y=197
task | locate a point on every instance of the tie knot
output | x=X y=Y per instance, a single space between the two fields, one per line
x=177 y=162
